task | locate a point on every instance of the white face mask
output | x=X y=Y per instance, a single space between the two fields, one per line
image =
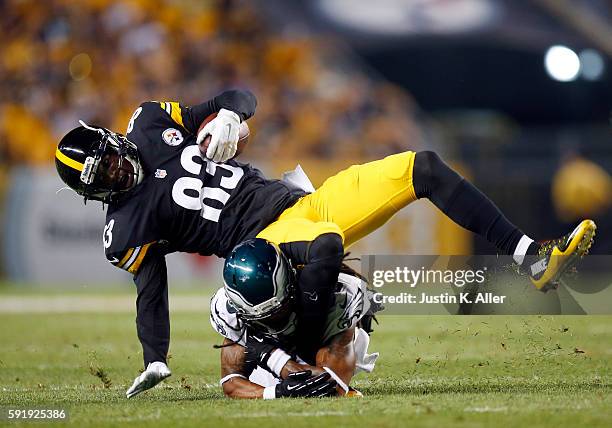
x=118 y=144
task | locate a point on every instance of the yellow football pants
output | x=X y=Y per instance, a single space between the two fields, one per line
x=352 y=203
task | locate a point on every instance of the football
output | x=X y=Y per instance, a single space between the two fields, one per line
x=243 y=136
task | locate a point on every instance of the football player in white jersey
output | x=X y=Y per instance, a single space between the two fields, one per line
x=257 y=319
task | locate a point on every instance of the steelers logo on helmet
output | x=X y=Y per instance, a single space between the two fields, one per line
x=259 y=283
x=97 y=163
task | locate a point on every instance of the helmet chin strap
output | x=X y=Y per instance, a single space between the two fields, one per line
x=137 y=170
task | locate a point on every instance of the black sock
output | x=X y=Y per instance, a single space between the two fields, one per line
x=530 y=256
x=462 y=202
x=317 y=279
x=533 y=249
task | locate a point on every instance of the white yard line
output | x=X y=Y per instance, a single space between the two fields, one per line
x=74 y=304
x=485 y=409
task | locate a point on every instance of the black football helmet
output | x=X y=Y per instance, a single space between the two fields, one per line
x=97 y=163
x=260 y=285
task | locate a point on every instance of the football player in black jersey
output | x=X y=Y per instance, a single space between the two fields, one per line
x=165 y=195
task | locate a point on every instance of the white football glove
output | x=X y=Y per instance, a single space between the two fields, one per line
x=154 y=374
x=224 y=133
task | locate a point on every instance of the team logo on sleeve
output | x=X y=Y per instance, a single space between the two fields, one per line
x=172 y=137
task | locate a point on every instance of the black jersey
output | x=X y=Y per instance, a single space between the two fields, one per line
x=187 y=203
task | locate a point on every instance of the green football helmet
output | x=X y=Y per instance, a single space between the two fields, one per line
x=260 y=285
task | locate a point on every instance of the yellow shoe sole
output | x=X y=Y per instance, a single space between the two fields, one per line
x=560 y=261
x=353 y=393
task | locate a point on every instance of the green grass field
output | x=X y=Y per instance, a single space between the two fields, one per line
x=433 y=371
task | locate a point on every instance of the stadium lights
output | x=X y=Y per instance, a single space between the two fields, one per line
x=591 y=64
x=562 y=63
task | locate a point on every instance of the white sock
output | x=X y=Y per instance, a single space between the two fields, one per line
x=521 y=249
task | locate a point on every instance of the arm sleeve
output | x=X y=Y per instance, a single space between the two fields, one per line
x=241 y=102
x=152 y=317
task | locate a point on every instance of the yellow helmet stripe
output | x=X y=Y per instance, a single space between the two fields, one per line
x=67 y=161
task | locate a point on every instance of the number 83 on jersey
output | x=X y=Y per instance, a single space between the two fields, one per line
x=191 y=193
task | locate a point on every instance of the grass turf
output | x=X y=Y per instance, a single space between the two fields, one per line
x=433 y=371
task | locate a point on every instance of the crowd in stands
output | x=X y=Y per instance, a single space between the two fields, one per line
x=97 y=60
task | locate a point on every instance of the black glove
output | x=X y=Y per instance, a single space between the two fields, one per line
x=258 y=351
x=303 y=384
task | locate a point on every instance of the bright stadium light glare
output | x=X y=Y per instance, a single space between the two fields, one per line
x=592 y=64
x=562 y=63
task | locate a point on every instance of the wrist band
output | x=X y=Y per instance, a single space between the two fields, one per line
x=277 y=361
x=230 y=376
x=269 y=392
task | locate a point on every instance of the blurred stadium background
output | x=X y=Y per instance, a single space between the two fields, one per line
x=517 y=95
